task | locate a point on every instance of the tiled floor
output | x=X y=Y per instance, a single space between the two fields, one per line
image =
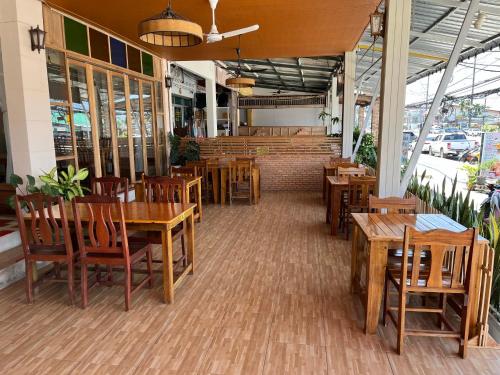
x=270 y=296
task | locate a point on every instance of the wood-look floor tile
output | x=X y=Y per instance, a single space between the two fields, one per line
x=295 y=359
x=270 y=294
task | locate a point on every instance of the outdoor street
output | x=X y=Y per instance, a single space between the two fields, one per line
x=438 y=168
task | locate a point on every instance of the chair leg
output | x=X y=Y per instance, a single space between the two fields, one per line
x=386 y=300
x=71 y=282
x=29 y=281
x=149 y=258
x=346 y=225
x=442 y=304
x=97 y=273
x=128 y=286
x=110 y=275
x=57 y=270
x=464 y=328
x=184 y=258
x=84 y=285
x=401 y=321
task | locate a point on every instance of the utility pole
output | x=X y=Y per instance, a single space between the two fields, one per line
x=472 y=91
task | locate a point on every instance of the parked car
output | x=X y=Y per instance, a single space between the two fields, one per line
x=425 y=149
x=449 y=144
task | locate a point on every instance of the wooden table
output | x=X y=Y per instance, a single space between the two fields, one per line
x=190 y=182
x=158 y=217
x=222 y=169
x=380 y=230
x=328 y=170
x=335 y=187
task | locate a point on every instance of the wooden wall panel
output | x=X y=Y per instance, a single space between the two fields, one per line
x=53 y=25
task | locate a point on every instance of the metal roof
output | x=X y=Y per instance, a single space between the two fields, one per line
x=434 y=28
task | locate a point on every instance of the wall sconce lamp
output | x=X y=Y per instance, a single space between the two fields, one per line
x=377 y=24
x=168 y=82
x=37 y=37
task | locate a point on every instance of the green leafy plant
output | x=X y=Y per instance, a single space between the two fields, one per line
x=323 y=116
x=67 y=184
x=367 y=152
x=175 y=145
x=192 y=151
x=473 y=171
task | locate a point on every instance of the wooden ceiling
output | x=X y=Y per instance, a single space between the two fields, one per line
x=288 y=28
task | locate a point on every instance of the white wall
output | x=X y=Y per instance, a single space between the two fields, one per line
x=205 y=69
x=285 y=116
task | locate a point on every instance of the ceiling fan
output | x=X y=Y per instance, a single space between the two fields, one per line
x=215 y=36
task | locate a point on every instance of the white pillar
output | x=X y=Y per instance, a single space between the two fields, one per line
x=392 y=96
x=335 y=106
x=211 y=93
x=349 y=105
x=26 y=88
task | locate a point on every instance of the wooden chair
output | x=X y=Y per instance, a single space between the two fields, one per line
x=163 y=189
x=392 y=205
x=201 y=169
x=104 y=241
x=343 y=170
x=47 y=240
x=110 y=186
x=240 y=180
x=338 y=160
x=183 y=172
x=358 y=194
x=458 y=251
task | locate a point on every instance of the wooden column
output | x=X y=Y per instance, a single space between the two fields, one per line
x=392 y=96
x=349 y=104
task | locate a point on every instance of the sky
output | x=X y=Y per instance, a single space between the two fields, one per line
x=487 y=77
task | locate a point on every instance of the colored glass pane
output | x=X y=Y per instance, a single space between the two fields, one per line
x=99 y=47
x=118 y=53
x=76 y=36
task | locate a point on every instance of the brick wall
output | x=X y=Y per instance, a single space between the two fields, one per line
x=291 y=172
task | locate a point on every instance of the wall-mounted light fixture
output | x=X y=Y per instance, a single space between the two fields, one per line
x=377 y=24
x=168 y=82
x=37 y=37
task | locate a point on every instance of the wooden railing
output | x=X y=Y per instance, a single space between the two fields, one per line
x=262 y=146
x=281 y=131
x=486 y=260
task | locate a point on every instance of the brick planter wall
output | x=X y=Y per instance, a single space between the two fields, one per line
x=291 y=172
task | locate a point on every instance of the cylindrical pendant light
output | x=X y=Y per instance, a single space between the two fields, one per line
x=240 y=82
x=169 y=29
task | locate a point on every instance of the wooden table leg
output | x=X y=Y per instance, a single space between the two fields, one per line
x=168 y=265
x=189 y=233
x=198 y=201
x=215 y=184
x=324 y=184
x=223 y=183
x=328 y=203
x=355 y=277
x=335 y=202
x=375 y=278
x=256 y=185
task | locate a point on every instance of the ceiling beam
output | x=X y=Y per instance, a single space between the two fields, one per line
x=436 y=37
x=290 y=88
x=491 y=9
x=289 y=66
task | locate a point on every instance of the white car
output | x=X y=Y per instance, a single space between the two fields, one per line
x=449 y=144
x=427 y=145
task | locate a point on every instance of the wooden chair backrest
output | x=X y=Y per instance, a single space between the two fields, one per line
x=110 y=186
x=360 y=189
x=338 y=160
x=45 y=231
x=183 y=172
x=350 y=171
x=457 y=249
x=161 y=189
x=200 y=167
x=392 y=205
x=100 y=226
x=241 y=170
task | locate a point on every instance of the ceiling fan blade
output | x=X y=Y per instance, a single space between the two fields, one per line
x=244 y=30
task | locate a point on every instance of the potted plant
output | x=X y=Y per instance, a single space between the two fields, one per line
x=66 y=184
